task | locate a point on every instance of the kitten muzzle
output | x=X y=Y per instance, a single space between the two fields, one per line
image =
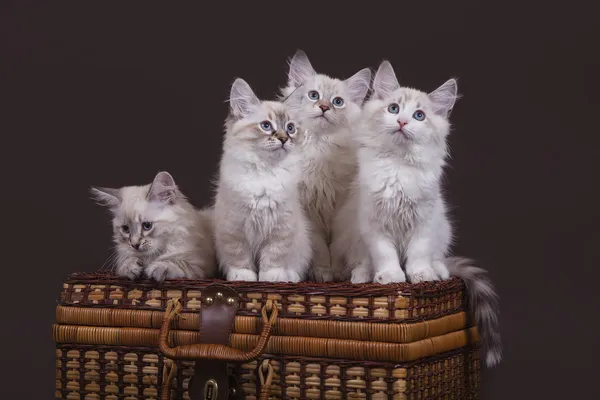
x=135 y=244
x=282 y=137
x=324 y=106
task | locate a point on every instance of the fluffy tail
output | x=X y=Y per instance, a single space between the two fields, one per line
x=483 y=301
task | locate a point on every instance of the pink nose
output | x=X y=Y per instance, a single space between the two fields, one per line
x=402 y=123
x=323 y=107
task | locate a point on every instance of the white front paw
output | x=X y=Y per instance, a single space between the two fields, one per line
x=420 y=271
x=361 y=275
x=131 y=268
x=159 y=271
x=441 y=269
x=293 y=276
x=390 y=275
x=241 y=274
x=273 y=275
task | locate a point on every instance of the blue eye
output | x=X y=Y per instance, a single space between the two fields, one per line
x=290 y=128
x=338 y=102
x=147 y=226
x=313 y=95
x=393 y=108
x=266 y=126
x=419 y=115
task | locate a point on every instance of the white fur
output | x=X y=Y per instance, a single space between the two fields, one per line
x=328 y=159
x=261 y=231
x=179 y=243
x=396 y=211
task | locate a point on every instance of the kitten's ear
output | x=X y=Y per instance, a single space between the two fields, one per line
x=106 y=196
x=300 y=69
x=163 y=188
x=294 y=99
x=385 y=81
x=358 y=85
x=444 y=97
x=242 y=98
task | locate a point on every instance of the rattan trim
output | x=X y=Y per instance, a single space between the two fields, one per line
x=379 y=332
x=301 y=346
x=421 y=289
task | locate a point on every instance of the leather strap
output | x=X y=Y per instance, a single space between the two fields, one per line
x=211 y=380
x=217 y=315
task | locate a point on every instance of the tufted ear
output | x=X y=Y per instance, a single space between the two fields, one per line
x=242 y=99
x=108 y=197
x=294 y=99
x=162 y=189
x=358 y=85
x=300 y=69
x=385 y=81
x=444 y=97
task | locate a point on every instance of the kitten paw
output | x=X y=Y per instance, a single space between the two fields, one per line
x=322 y=274
x=441 y=269
x=273 y=275
x=361 y=275
x=293 y=276
x=159 y=271
x=421 y=271
x=131 y=268
x=390 y=275
x=242 y=274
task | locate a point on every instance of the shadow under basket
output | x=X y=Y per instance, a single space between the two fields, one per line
x=210 y=339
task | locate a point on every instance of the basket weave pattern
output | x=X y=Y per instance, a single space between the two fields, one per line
x=330 y=341
x=112 y=373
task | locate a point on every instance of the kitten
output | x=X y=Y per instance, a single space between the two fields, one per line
x=396 y=211
x=263 y=233
x=327 y=108
x=158 y=233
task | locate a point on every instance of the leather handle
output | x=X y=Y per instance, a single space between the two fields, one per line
x=203 y=351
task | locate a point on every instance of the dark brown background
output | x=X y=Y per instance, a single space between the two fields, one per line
x=111 y=96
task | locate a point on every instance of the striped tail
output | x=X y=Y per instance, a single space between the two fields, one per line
x=483 y=301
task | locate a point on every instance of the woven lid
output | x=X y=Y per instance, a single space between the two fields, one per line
x=371 y=322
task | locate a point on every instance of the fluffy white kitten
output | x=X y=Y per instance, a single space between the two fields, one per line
x=158 y=233
x=262 y=231
x=396 y=210
x=396 y=213
x=328 y=109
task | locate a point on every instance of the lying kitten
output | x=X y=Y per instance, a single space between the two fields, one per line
x=157 y=232
x=396 y=211
x=327 y=108
x=262 y=232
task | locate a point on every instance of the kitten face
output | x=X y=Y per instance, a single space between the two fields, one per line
x=265 y=129
x=400 y=117
x=323 y=103
x=144 y=217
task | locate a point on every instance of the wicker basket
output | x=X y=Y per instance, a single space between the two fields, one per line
x=286 y=341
